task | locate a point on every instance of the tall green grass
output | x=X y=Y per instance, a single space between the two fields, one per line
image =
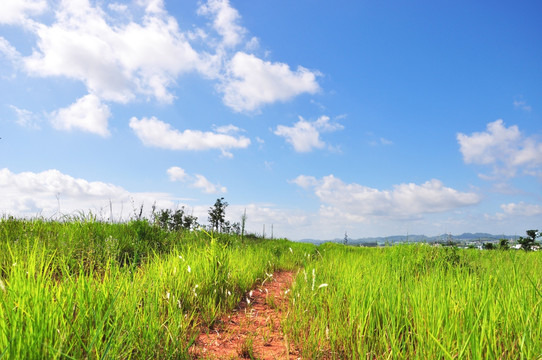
x=85 y=289
x=418 y=302
x=88 y=289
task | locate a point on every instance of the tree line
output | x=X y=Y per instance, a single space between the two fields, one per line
x=180 y=219
x=527 y=243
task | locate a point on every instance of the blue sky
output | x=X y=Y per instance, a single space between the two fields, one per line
x=375 y=118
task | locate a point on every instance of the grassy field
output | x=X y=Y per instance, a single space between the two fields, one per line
x=88 y=289
x=418 y=302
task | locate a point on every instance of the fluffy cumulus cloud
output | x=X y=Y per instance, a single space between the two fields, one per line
x=18 y=11
x=51 y=192
x=202 y=183
x=269 y=218
x=304 y=136
x=111 y=56
x=86 y=114
x=107 y=49
x=359 y=203
x=503 y=148
x=176 y=173
x=225 y=21
x=521 y=209
x=197 y=181
x=252 y=82
x=153 y=132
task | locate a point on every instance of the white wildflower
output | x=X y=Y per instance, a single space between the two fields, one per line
x=181 y=257
x=189 y=269
x=250 y=293
x=248 y=301
x=291 y=250
x=167 y=295
x=322 y=285
x=229 y=293
x=2 y=286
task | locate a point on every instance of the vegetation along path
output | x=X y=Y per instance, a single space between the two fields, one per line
x=253 y=330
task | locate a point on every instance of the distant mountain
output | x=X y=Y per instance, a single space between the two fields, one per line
x=465 y=237
x=476 y=236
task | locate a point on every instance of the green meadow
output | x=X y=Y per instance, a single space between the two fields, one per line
x=87 y=289
x=418 y=302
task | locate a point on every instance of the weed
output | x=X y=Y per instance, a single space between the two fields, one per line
x=246 y=349
x=271 y=301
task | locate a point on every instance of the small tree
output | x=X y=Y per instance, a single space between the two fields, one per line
x=528 y=242
x=175 y=220
x=488 y=246
x=504 y=244
x=236 y=228
x=217 y=215
x=345 y=240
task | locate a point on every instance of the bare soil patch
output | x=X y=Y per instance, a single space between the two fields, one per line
x=253 y=330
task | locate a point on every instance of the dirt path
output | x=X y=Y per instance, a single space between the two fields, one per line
x=253 y=330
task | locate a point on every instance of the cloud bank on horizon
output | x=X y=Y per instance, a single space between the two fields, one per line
x=109 y=106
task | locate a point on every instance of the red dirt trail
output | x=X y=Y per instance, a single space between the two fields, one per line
x=253 y=329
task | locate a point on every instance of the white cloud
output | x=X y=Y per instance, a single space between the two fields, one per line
x=305 y=181
x=86 y=114
x=107 y=47
x=17 y=11
x=281 y=221
x=177 y=174
x=51 y=192
x=118 y=7
x=152 y=6
x=359 y=203
x=505 y=149
x=521 y=209
x=521 y=104
x=380 y=141
x=197 y=181
x=305 y=135
x=252 y=82
x=112 y=58
x=225 y=21
x=26 y=118
x=202 y=183
x=227 y=129
x=153 y=132
x=8 y=50
x=514 y=211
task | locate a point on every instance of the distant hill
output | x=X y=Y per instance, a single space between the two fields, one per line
x=465 y=237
